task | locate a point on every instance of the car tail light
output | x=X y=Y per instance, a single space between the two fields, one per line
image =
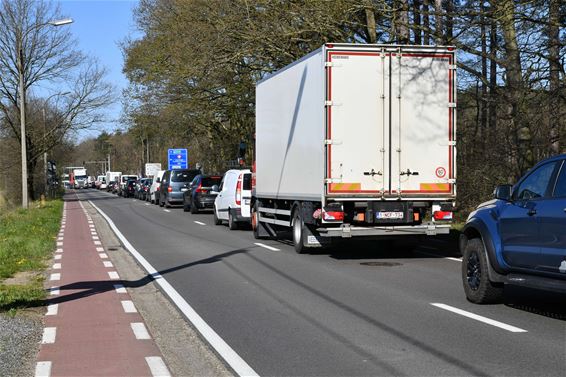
x=239 y=190
x=442 y=215
x=199 y=188
x=169 y=189
x=333 y=216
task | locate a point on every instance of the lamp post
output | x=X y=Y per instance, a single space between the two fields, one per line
x=22 y=94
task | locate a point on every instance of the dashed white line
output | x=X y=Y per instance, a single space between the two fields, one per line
x=146 y=204
x=199 y=223
x=107 y=264
x=157 y=366
x=95 y=238
x=166 y=210
x=58 y=256
x=59 y=243
x=52 y=309
x=480 y=318
x=139 y=330
x=43 y=369
x=267 y=247
x=129 y=306
x=97 y=243
x=99 y=249
x=113 y=275
x=120 y=288
x=54 y=291
x=55 y=276
x=103 y=255
x=59 y=238
x=438 y=256
x=59 y=250
x=91 y=225
x=49 y=334
x=56 y=266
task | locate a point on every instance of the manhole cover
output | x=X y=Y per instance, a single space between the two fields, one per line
x=381 y=264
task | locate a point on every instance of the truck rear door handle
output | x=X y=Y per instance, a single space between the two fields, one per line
x=372 y=172
x=409 y=172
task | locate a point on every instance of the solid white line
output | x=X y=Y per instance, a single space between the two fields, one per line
x=222 y=348
x=43 y=369
x=107 y=264
x=113 y=275
x=129 y=306
x=56 y=276
x=478 y=318
x=267 y=247
x=139 y=330
x=99 y=249
x=120 y=288
x=52 y=309
x=103 y=256
x=58 y=256
x=166 y=210
x=54 y=291
x=56 y=266
x=59 y=250
x=199 y=223
x=157 y=366
x=49 y=334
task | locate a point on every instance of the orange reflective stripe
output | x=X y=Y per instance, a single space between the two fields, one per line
x=435 y=187
x=345 y=186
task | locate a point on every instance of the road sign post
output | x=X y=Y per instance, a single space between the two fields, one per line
x=177 y=159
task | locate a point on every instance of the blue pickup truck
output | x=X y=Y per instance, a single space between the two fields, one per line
x=519 y=237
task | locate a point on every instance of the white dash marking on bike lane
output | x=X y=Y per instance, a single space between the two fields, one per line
x=479 y=318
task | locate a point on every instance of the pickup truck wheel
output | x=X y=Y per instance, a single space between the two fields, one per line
x=232 y=224
x=216 y=220
x=298 y=232
x=477 y=286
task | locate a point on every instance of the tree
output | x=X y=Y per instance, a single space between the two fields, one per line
x=48 y=56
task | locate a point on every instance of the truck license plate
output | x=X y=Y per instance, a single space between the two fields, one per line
x=389 y=215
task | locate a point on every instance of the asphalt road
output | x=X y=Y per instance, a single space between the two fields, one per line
x=363 y=308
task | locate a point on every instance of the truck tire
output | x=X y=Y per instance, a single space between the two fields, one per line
x=256 y=226
x=298 y=229
x=216 y=220
x=232 y=224
x=479 y=289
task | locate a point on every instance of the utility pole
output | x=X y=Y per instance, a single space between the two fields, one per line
x=109 y=162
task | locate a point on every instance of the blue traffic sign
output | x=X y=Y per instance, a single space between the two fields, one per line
x=178 y=159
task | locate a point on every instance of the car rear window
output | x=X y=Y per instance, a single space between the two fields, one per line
x=247 y=181
x=211 y=181
x=183 y=175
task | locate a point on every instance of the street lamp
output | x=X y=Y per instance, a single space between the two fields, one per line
x=22 y=94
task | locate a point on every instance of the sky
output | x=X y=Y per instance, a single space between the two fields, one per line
x=99 y=27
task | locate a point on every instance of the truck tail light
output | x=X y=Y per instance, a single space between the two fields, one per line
x=239 y=190
x=442 y=215
x=169 y=189
x=333 y=216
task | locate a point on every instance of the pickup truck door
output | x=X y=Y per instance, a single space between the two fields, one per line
x=519 y=222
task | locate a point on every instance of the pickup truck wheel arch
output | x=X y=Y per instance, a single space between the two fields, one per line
x=478 y=286
x=479 y=230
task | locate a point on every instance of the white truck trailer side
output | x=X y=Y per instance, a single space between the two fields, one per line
x=357 y=140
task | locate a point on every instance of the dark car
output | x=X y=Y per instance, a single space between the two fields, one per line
x=129 y=189
x=173 y=184
x=519 y=237
x=140 y=188
x=200 y=194
x=144 y=192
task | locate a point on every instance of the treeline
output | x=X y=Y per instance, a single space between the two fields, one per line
x=193 y=73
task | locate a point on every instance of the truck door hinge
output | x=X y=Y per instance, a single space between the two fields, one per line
x=452 y=104
x=329 y=64
x=452 y=66
x=452 y=143
x=333 y=180
x=451 y=180
x=332 y=142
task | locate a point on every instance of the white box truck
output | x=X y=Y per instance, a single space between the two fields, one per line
x=357 y=140
x=112 y=176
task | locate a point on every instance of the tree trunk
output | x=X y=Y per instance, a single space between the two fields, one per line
x=483 y=36
x=370 y=22
x=555 y=116
x=426 y=22
x=417 y=29
x=403 y=36
x=449 y=35
x=438 y=29
x=514 y=85
x=493 y=47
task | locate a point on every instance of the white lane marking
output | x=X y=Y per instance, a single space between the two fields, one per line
x=199 y=223
x=49 y=334
x=103 y=255
x=59 y=243
x=59 y=238
x=97 y=243
x=129 y=306
x=166 y=210
x=59 y=250
x=146 y=204
x=99 y=249
x=56 y=266
x=52 y=309
x=139 y=330
x=438 y=256
x=91 y=225
x=113 y=275
x=157 y=366
x=54 y=291
x=267 y=246
x=479 y=318
x=43 y=369
x=93 y=232
x=234 y=360
x=120 y=288
x=62 y=227
x=56 y=276
x=107 y=264
x=58 y=256
x=95 y=238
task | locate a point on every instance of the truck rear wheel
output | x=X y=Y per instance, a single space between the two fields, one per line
x=298 y=232
x=479 y=289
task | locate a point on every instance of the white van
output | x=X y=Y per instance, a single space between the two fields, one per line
x=233 y=200
x=154 y=188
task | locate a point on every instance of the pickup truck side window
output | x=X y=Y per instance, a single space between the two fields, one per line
x=536 y=184
x=560 y=188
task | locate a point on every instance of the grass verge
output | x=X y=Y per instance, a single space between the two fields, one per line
x=27 y=241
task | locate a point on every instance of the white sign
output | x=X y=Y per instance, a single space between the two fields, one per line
x=152 y=168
